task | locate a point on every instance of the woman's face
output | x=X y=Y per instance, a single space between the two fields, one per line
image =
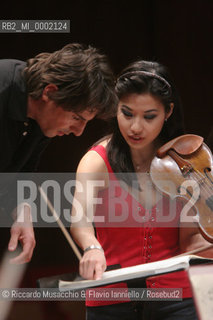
x=140 y=119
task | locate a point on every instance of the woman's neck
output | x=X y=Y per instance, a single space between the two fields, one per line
x=142 y=159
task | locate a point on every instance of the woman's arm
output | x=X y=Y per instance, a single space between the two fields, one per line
x=91 y=168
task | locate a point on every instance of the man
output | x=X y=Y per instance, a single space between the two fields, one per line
x=53 y=94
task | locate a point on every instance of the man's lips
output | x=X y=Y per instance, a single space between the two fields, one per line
x=64 y=132
x=61 y=133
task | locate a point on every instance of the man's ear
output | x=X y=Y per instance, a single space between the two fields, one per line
x=168 y=114
x=47 y=91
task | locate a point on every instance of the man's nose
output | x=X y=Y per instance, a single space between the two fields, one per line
x=79 y=129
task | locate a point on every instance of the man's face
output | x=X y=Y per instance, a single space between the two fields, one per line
x=55 y=121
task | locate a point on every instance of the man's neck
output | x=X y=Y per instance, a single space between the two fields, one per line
x=32 y=107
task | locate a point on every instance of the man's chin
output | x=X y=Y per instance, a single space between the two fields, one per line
x=52 y=134
x=49 y=134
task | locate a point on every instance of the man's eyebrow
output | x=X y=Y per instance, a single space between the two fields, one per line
x=82 y=118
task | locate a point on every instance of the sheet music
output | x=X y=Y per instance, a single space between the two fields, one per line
x=134 y=272
x=201 y=278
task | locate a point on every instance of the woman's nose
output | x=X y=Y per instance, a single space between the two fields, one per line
x=137 y=126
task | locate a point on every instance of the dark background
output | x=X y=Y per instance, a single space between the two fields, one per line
x=177 y=33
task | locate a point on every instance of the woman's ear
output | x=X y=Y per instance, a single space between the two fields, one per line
x=168 y=114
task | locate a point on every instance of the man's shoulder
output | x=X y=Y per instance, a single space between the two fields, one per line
x=8 y=65
x=8 y=69
x=11 y=63
x=12 y=85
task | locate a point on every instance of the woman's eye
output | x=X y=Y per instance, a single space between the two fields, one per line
x=126 y=113
x=150 y=117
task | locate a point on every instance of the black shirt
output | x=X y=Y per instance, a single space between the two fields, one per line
x=21 y=140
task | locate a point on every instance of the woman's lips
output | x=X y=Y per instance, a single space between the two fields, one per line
x=135 y=139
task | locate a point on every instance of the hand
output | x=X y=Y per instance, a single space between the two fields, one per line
x=92 y=264
x=22 y=230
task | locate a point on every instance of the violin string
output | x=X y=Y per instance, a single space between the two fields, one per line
x=199 y=176
x=205 y=187
x=207 y=190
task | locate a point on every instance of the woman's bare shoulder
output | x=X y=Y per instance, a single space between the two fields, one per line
x=104 y=143
x=92 y=161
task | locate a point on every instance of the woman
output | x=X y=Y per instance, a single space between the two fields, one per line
x=149 y=114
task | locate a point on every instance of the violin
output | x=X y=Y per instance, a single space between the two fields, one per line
x=183 y=168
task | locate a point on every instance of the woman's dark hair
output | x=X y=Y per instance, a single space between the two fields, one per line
x=144 y=77
x=82 y=74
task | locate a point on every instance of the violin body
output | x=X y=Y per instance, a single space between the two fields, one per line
x=183 y=168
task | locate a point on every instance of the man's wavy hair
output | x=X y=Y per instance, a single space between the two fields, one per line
x=83 y=76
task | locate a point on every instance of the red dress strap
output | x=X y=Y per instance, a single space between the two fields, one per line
x=101 y=150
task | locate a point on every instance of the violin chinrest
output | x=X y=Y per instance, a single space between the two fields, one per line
x=183 y=145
